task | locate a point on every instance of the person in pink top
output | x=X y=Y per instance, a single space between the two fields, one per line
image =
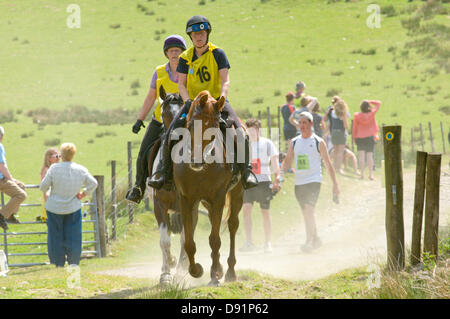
x=365 y=131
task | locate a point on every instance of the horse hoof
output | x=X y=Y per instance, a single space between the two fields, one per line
x=196 y=270
x=230 y=276
x=165 y=280
x=172 y=262
x=219 y=272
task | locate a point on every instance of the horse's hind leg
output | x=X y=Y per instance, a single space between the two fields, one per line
x=168 y=259
x=233 y=224
x=196 y=270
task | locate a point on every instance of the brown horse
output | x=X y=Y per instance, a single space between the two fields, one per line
x=166 y=201
x=208 y=183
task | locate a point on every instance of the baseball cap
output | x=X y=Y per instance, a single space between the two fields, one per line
x=307 y=115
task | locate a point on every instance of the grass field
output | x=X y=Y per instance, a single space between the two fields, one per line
x=106 y=66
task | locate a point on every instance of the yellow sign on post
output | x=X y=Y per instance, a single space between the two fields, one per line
x=389 y=136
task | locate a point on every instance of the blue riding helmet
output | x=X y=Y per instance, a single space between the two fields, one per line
x=174 y=41
x=198 y=23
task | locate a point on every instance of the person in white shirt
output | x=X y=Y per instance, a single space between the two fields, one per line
x=308 y=150
x=264 y=162
x=66 y=181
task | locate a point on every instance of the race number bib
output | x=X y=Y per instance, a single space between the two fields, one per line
x=256 y=166
x=302 y=162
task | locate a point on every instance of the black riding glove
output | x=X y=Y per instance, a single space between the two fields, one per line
x=137 y=126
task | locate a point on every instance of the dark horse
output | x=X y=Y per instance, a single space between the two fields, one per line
x=165 y=201
x=208 y=183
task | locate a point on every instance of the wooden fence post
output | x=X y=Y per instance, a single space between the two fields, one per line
x=421 y=165
x=421 y=137
x=394 y=197
x=431 y=137
x=130 y=181
x=443 y=138
x=412 y=140
x=279 y=128
x=99 y=195
x=269 y=124
x=260 y=119
x=113 y=199
x=431 y=234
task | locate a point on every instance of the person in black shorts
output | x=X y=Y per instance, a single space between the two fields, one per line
x=308 y=150
x=264 y=162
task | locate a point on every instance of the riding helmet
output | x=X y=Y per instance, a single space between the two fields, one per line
x=198 y=23
x=174 y=41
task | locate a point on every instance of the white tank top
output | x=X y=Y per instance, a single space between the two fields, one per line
x=307 y=160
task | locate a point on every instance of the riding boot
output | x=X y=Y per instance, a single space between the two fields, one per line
x=248 y=178
x=137 y=192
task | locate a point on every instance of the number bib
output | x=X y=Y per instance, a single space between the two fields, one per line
x=256 y=166
x=302 y=162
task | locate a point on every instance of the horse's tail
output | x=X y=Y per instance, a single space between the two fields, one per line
x=227 y=216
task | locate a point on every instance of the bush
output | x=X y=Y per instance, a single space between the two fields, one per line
x=52 y=142
x=333 y=92
x=389 y=11
x=337 y=73
x=135 y=84
x=258 y=100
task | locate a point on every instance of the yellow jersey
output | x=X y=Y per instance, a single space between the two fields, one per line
x=203 y=73
x=163 y=79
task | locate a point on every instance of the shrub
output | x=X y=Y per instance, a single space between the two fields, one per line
x=337 y=73
x=277 y=93
x=333 y=92
x=258 y=100
x=114 y=26
x=135 y=84
x=52 y=142
x=389 y=11
x=379 y=67
x=445 y=109
x=365 y=83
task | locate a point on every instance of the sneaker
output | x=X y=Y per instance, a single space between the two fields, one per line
x=268 y=248
x=248 y=246
x=12 y=220
x=135 y=195
x=3 y=223
x=307 y=247
x=316 y=242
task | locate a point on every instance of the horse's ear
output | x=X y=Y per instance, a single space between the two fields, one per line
x=203 y=100
x=219 y=105
x=162 y=92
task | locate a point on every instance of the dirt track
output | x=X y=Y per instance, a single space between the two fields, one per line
x=356 y=238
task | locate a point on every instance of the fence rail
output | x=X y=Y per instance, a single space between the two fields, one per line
x=93 y=213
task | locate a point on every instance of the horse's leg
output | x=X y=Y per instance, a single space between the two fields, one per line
x=183 y=260
x=233 y=224
x=195 y=270
x=164 y=240
x=215 y=217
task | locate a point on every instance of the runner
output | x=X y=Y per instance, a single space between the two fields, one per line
x=308 y=150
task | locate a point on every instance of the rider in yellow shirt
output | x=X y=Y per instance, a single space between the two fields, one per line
x=202 y=67
x=165 y=75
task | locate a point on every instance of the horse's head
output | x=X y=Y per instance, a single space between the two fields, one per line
x=170 y=105
x=207 y=110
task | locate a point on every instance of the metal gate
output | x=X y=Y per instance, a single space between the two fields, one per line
x=93 y=213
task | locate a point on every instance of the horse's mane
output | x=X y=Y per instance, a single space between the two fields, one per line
x=196 y=103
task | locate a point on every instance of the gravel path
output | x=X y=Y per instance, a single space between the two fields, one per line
x=353 y=234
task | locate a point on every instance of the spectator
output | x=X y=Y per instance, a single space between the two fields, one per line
x=264 y=161
x=348 y=156
x=11 y=187
x=365 y=130
x=51 y=156
x=337 y=115
x=307 y=103
x=286 y=110
x=65 y=181
x=300 y=90
x=309 y=150
x=319 y=125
